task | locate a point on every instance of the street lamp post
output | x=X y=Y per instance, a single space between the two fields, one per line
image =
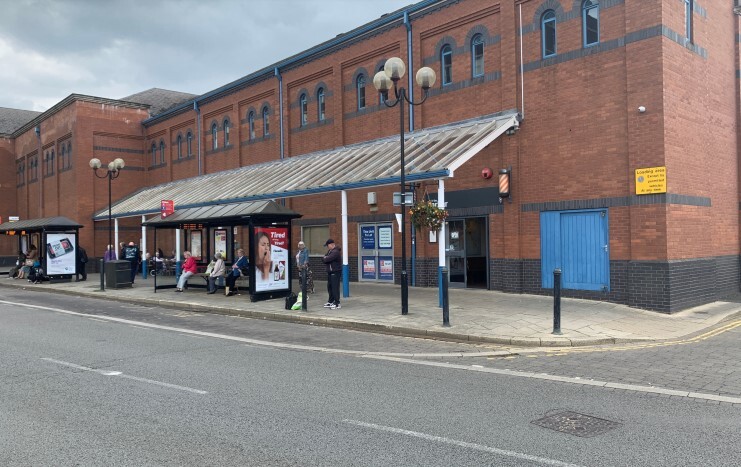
x=393 y=71
x=113 y=171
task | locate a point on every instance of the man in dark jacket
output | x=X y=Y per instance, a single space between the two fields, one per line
x=81 y=264
x=133 y=256
x=333 y=261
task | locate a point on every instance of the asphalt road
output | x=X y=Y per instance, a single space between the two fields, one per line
x=88 y=382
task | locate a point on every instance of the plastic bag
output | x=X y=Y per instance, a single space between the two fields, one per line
x=297 y=305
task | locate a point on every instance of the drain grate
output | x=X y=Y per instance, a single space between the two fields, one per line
x=576 y=424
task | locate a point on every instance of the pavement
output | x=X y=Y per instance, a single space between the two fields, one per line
x=476 y=316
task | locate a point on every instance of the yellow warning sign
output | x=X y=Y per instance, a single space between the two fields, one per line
x=650 y=180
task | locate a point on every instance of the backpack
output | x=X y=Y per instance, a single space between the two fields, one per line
x=290 y=300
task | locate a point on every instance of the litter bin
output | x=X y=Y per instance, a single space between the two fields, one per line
x=117 y=274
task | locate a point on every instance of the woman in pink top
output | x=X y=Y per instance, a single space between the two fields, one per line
x=189 y=268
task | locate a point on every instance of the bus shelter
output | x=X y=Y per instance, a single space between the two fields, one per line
x=261 y=228
x=56 y=239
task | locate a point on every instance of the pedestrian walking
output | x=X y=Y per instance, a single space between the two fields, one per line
x=80 y=269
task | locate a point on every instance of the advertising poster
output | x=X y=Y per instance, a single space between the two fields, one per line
x=60 y=253
x=369 y=267
x=386 y=268
x=220 y=243
x=368 y=237
x=384 y=237
x=195 y=244
x=271 y=259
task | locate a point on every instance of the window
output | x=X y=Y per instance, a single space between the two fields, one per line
x=50 y=169
x=590 y=22
x=381 y=98
x=214 y=136
x=446 y=64
x=189 y=139
x=63 y=157
x=33 y=164
x=688 y=7
x=69 y=155
x=548 y=33
x=360 y=91
x=46 y=163
x=320 y=108
x=477 y=55
x=314 y=238
x=304 y=109
x=251 y=125
x=154 y=154
x=226 y=133
x=265 y=121
x=21 y=174
x=162 y=152
x=180 y=147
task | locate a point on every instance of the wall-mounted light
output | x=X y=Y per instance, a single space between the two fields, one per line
x=504 y=183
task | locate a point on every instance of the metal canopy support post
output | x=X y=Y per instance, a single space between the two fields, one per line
x=345 y=261
x=143 y=251
x=178 y=255
x=115 y=246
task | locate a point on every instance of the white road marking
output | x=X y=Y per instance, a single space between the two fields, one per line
x=121 y=375
x=394 y=358
x=463 y=444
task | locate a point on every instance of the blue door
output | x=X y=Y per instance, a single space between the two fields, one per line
x=577 y=242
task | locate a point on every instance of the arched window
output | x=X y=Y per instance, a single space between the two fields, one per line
x=180 y=146
x=548 y=33
x=590 y=22
x=162 y=152
x=265 y=121
x=51 y=163
x=477 y=55
x=689 y=5
x=360 y=91
x=446 y=64
x=304 y=109
x=189 y=139
x=63 y=157
x=226 y=132
x=320 y=106
x=251 y=125
x=69 y=155
x=154 y=154
x=214 y=136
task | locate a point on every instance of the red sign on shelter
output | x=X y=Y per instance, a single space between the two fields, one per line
x=168 y=207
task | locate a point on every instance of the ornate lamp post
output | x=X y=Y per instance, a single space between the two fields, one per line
x=113 y=171
x=392 y=72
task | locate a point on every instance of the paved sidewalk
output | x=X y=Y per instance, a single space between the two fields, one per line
x=475 y=315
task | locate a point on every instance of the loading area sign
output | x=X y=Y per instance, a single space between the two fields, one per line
x=650 y=180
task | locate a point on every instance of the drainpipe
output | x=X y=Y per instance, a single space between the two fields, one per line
x=410 y=90
x=280 y=110
x=198 y=129
x=522 y=69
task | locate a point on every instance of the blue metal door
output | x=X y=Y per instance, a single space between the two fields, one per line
x=577 y=242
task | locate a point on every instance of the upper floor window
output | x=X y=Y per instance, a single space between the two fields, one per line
x=162 y=152
x=226 y=133
x=69 y=156
x=214 y=136
x=33 y=164
x=180 y=147
x=154 y=154
x=265 y=121
x=50 y=169
x=477 y=55
x=21 y=173
x=251 y=125
x=590 y=22
x=381 y=97
x=189 y=145
x=304 y=109
x=63 y=157
x=548 y=33
x=360 y=91
x=689 y=5
x=320 y=106
x=446 y=65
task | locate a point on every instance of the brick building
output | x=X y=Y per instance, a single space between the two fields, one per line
x=605 y=90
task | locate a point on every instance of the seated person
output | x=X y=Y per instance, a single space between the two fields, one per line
x=189 y=268
x=216 y=272
x=239 y=265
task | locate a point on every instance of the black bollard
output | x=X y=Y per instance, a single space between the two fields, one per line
x=557 y=301
x=304 y=298
x=446 y=307
x=102 y=275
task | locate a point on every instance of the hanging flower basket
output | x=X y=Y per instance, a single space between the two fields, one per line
x=427 y=214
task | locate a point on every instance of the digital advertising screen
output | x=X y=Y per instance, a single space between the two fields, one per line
x=271 y=259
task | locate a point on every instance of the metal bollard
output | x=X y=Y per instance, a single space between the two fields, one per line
x=102 y=275
x=446 y=307
x=557 y=301
x=304 y=298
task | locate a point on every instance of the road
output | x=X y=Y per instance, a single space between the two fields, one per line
x=92 y=382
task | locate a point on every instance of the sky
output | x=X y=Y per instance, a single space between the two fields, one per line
x=50 y=49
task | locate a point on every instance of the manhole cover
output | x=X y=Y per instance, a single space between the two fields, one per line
x=576 y=424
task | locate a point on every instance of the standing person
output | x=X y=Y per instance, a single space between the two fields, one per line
x=81 y=264
x=302 y=262
x=122 y=250
x=132 y=254
x=216 y=272
x=333 y=261
x=189 y=268
x=263 y=262
x=239 y=265
x=110 y=254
